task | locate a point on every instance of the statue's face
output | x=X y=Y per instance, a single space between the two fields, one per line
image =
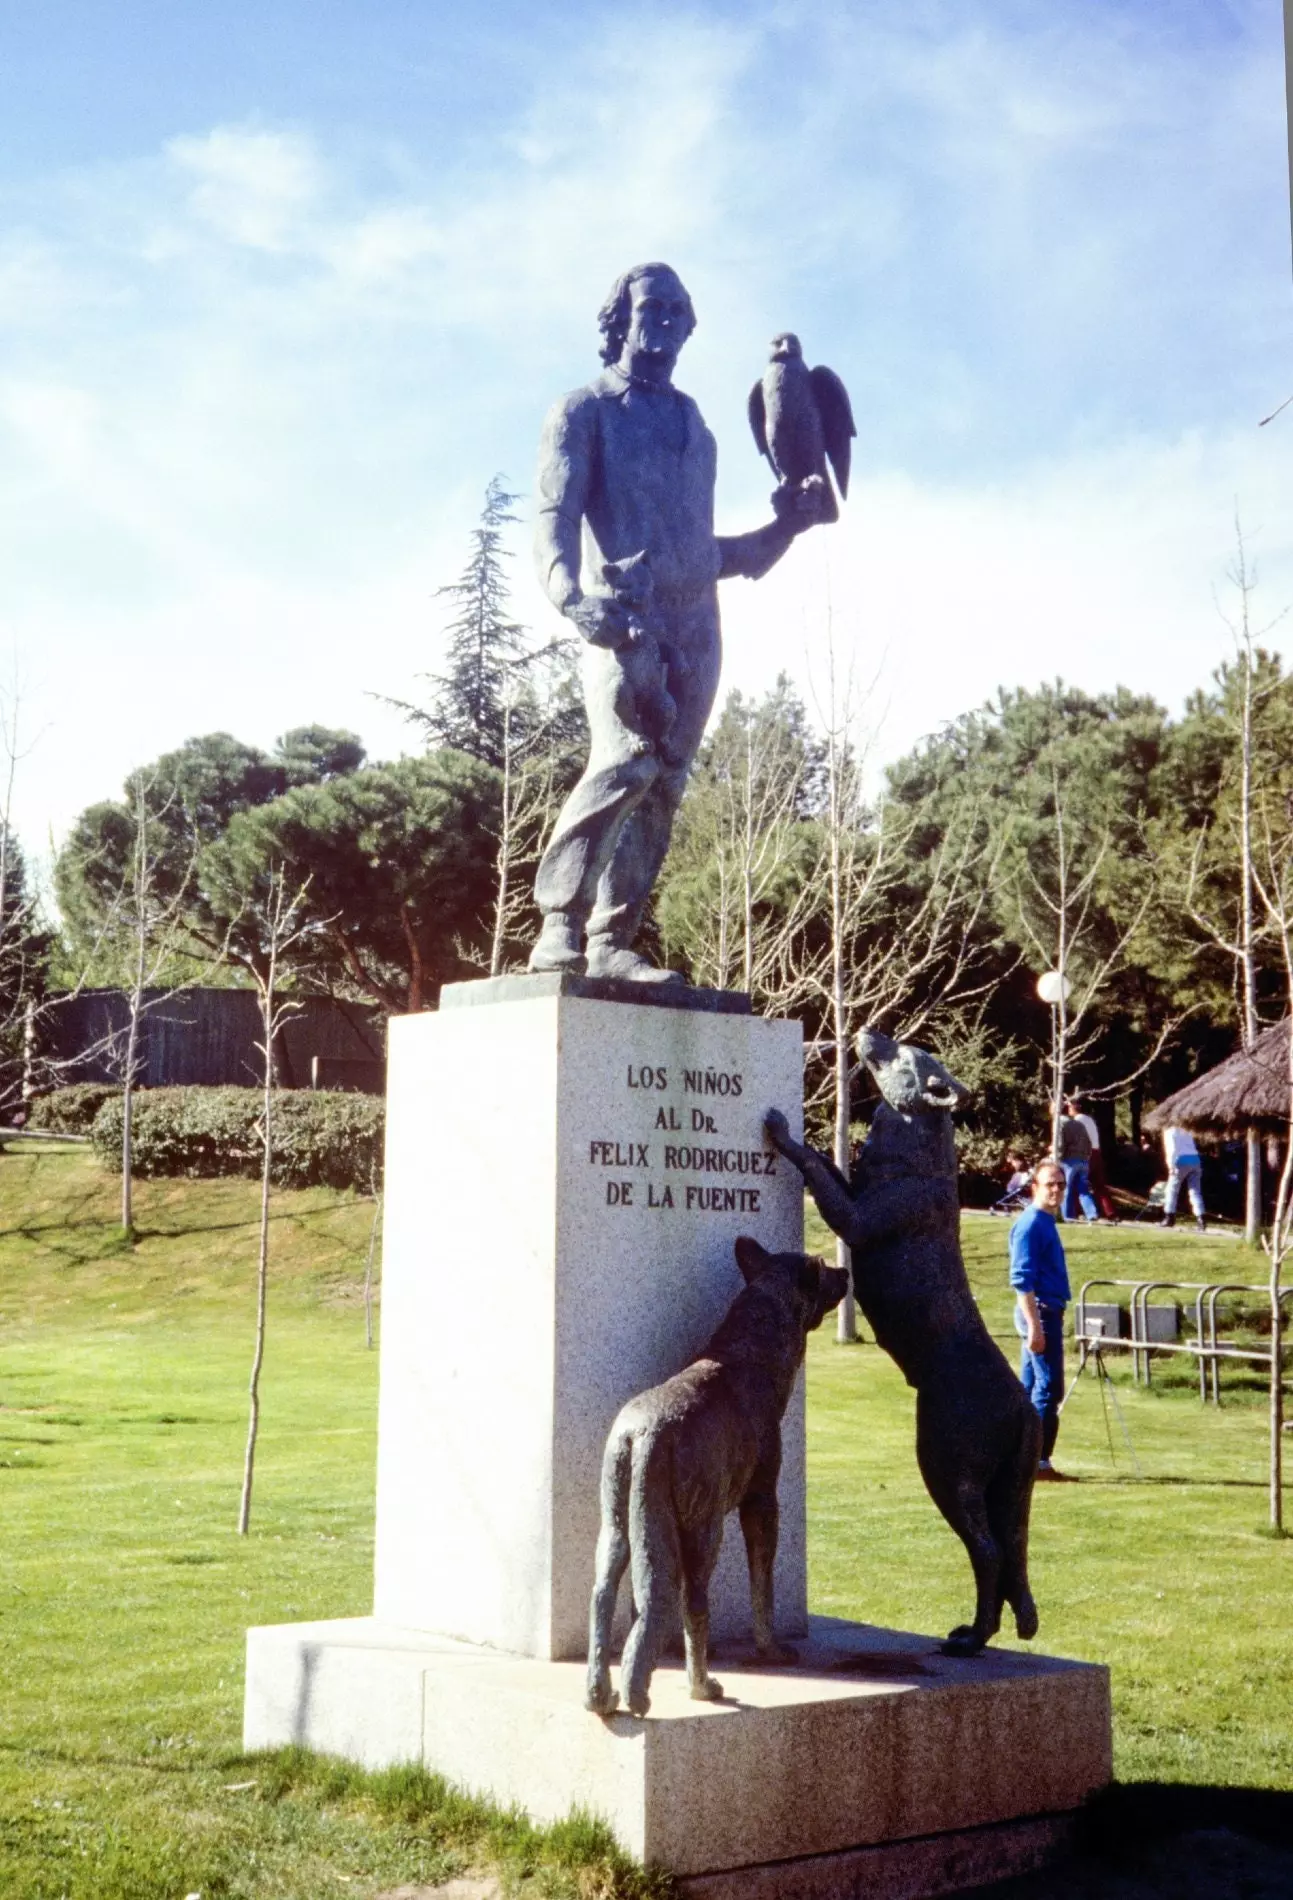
x=658 y=326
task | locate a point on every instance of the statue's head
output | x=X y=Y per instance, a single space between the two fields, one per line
x=646 y=319
x=910 y=1079
x=786 y=347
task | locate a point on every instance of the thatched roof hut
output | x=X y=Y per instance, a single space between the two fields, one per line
x=1250 y=1089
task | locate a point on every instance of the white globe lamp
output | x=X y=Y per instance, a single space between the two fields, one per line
x=1054 y=988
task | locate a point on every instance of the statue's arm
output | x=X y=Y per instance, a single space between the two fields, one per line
x=565 y=470
x=752 y=555
x=567 y=456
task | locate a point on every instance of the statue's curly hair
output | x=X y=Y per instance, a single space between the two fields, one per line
x=613 y=317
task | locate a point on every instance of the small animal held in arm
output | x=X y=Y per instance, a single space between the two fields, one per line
x=643 y=701
x=800 y=417
x=977 y=1437
x=684 y=1454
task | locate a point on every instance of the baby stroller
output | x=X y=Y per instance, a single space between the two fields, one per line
x=1017 y=1194
x=1155 y=1203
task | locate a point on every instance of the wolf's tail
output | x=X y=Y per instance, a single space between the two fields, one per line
x=617 y=1480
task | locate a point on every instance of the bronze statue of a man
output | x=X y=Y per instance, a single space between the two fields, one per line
x=626 y=549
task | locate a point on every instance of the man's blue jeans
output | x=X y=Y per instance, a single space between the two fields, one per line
x=1043 y=1372
x=1186 y=1173
x=1077 y=1187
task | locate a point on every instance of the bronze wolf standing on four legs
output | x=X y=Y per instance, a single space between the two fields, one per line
x=684 y=1454
x=977 y=1437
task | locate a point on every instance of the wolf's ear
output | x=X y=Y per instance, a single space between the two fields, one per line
x=751 y=1258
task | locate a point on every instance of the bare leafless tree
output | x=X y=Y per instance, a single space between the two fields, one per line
x=1238 y=934
x=278 y=916
x=1277 y=1248
x=151 y=921
x=1273 y=883
x=370 y=1260
x=745 y=829
x=1060 y=916
x=851 y=967
x=22 y=937
x=528 y=804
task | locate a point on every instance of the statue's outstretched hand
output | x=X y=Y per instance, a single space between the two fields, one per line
x=798 y=506
x=603 y=623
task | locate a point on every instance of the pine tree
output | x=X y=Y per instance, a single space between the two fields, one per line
x=472 y=696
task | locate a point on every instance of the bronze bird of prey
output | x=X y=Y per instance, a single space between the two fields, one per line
x=801 y=417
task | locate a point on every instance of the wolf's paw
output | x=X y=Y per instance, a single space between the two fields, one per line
x=964 y=1640
x=601 y=1699
x=710 y=1690
x=640 y=1703
x=1026 y=1619
x=776 y=1127
x=775 y=1653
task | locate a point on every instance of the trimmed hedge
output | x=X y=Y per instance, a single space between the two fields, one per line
x=321 y=1139
x=71 y=1111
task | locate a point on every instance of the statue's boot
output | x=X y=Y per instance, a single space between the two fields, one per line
x=558 y=947
x=606 y=957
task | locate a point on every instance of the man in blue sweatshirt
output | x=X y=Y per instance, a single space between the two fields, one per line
x=1040 y=1279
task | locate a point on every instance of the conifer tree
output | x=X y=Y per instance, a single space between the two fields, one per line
x=472 y=697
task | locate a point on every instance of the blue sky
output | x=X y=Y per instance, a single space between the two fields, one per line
x=282 y=286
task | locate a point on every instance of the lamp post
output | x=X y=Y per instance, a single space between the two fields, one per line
x=1054 y=989
x=1288 y=81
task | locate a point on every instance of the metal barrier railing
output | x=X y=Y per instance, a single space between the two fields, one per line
x=1205 y=1347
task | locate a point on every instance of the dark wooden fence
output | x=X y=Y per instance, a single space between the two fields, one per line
x=209 y=1036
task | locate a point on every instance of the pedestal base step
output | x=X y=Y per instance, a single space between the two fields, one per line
x=874 y=1744
x=899 y=1870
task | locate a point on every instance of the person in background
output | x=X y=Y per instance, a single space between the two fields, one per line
x=1184 y=1170
x=1095 y=1167
x=1015 y=1196
x=1020 y=1173
x=1075 y=1159
x=1039 y=1276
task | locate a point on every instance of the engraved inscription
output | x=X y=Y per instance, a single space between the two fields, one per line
x=703 y=1152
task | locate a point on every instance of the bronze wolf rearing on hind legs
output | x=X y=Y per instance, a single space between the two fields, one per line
x=977 y=1437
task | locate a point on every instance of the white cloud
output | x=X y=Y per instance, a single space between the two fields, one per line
x=1105 y=569
x=259 y=377
x=54 y=424
x=251 y=187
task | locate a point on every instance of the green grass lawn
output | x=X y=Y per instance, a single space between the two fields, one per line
x=124 y=1591
x=1170 y=1577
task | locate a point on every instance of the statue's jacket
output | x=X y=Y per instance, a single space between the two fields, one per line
x=630 y=469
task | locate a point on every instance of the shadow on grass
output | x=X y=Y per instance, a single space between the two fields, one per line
x=1139 y=1813
x=1152 y=1840
x=298 y=1216
x=1130 y=1481
x=33 y=1230
x=74 y=1213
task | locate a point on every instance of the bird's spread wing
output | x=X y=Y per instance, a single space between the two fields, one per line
x=836 y=412
x=758 y=419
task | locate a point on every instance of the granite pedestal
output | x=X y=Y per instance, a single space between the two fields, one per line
x=568 y=1165
x=877 y=1764
x=565 y=1177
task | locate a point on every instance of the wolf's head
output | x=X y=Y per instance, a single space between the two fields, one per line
x=910 y=1079
x=808 y=1286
